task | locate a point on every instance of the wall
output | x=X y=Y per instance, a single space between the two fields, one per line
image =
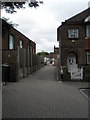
x=16 y=59
x=22 y=61
x=67 y=46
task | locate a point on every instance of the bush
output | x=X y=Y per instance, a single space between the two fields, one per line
x=88 y=68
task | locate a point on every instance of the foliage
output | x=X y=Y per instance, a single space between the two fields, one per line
x=51 y=53
x=88 y=68
x=11 y=6
x=45 y=53
x=5 y=26
x=42 y=53
x=10 y=23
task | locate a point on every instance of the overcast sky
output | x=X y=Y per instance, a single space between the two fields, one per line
x=40 y=24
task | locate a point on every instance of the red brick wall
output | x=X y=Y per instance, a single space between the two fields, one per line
x=67 y=45
x=17 y=37
x=87 y=40
x=8 y=30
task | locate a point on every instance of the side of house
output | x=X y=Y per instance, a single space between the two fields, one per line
x=74 y=41
x=18 y=52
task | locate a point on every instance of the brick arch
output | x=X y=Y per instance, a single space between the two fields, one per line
x=68 y=51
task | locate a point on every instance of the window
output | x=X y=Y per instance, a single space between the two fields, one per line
x=11 y=42
x=21 y=44
x=88 y=31
x=88 y=57
x=73 y=33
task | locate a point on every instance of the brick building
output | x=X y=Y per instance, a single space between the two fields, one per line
x=74 y=40
x=18 y=52
x=12 y=38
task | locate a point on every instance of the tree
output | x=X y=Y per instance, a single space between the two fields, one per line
x=42 y=53
x=10 y=23
x=10 y=7
x=51 y=53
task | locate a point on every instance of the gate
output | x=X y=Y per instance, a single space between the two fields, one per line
x=78 y=74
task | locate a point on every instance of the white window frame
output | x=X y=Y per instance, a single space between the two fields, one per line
x=87 y=30
x=21 y=44
x=11 y=42
x=73 y=33
x=88 y=54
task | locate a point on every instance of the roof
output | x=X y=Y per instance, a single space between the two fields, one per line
x=78 y=18
x=10 y=26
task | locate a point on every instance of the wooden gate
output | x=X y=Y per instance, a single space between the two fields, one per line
x=77 y=74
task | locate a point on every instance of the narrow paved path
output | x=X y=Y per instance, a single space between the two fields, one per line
x=41 y=96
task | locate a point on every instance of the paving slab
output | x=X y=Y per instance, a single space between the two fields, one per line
x=40 y=95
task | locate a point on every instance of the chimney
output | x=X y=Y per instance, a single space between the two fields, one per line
x=89 y=4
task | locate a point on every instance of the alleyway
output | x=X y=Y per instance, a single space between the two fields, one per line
x=41 y=96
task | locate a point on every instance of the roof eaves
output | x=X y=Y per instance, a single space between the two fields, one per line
x=70 y=19
x=16 y=30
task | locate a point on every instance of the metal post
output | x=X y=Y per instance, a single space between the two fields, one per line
x=81 y=73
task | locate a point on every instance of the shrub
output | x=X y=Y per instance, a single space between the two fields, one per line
x=88 y=68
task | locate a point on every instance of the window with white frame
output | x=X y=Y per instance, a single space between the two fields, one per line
x=21 y=44
x=88 y=57
x=72 y=33
x=11 y=42
x=87 y=30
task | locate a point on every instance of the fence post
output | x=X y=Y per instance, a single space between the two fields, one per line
x=28 y=68
x=24 y=62
x=31 y=56
x=81 y=73
x=71 y=75
x=18 y=63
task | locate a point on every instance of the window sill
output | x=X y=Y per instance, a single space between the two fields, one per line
x=73 y=38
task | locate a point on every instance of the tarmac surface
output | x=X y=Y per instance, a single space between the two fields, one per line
x=40 y=95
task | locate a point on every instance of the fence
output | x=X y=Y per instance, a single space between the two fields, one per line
x=9 y=58
x=22 y=63
x=78 y=74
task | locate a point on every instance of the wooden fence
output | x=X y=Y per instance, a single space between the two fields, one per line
x=21 y=62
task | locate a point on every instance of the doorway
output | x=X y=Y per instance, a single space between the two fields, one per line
x=71 y=61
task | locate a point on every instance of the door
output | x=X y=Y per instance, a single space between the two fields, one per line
x=71 y=62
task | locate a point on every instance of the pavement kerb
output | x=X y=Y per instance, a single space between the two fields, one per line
x=81 y=91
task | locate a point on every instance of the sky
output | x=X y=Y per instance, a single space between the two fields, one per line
x=40 y=24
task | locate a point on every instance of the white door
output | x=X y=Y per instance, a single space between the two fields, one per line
x=71 y=62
